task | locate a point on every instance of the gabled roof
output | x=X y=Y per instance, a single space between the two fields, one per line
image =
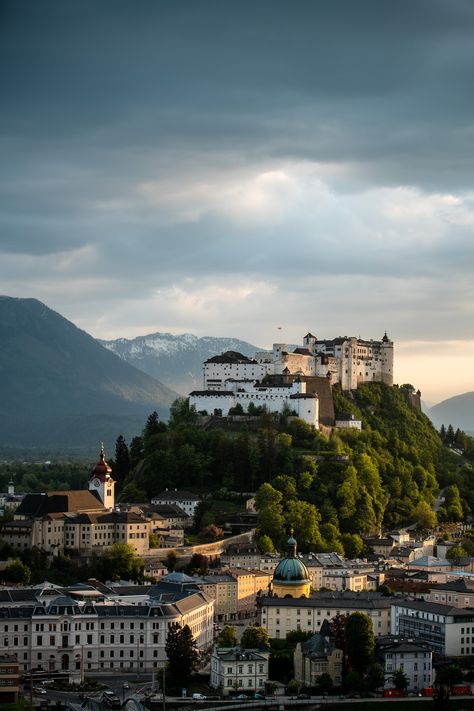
x=317 y=646
x=174 y=495
x=39 y=505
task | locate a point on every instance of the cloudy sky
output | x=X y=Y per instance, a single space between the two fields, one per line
x=232 y=168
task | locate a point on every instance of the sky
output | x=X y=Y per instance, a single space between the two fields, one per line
x=254 y=169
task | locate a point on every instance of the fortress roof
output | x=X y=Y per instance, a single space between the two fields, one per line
x=232 y=357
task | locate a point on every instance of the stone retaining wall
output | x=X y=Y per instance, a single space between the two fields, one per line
x=211 y=550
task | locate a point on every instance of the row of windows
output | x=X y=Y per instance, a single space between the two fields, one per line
x=240 y=668
x=230 y=682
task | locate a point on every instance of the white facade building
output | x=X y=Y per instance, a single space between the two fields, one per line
x=349 y=361
x=236 y=669
x=448 y=630
x=186 y=501
x=275 y=398
x=414 y=658
x=282 y=615
x=66 y=634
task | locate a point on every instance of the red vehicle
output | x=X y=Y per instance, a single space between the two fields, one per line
x=461 y=690
x=427 y=691
x=394 y=693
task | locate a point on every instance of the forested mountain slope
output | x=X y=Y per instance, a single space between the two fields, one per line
x=331 y=490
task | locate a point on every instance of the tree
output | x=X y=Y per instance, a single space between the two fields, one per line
x=441 y=696
x=338 y=631
x=182 y=654
x=121 y=466
x=359 y=640
x=255 y=637
x=305 y=519
x=353 y=544
x=353 y=681
x=152 y=426
x=181 y=413
x=375 y=676
x=153 y=540
x=455 y=552
x=453 y=505
x=324 y=683
x=400 y=680
x=136 y=450
x=199 y=563
x=424 y=516
x=121 y=562
x=268 y=503
x=16 y=572
x=227 y=637
x=171 y=560
x=265 y=544
x=211 y=532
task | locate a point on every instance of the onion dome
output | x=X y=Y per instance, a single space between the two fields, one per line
x=101 y=470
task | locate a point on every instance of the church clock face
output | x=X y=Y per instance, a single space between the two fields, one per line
x=96 y=482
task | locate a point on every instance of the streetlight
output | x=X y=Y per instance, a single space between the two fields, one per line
x=80 y=658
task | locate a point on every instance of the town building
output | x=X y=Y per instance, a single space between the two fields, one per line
x=186 y=501
x=317 y=655
x=98 y=628
x=83 y=521
x=282 y=615
x=458 y=593
x=9 y=500
x=223 y=589
x=448 y=630
x=250 y=584
x=241 y=555
x=348 y=422
x=237 y=670
x=9 y=679
x=412 y=656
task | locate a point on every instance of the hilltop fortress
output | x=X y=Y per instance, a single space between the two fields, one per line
x=297 y=381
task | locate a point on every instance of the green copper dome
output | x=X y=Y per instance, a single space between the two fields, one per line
x=291 y=569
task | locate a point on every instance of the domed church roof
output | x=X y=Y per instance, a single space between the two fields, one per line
x=291 y=569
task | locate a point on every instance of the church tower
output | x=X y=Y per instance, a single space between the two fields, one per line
x=101 y=481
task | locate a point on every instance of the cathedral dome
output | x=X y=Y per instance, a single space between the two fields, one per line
x=291 y=576
x=291 y=570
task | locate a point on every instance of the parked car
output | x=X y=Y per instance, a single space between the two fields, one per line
x=199 y=697
x=303 y=696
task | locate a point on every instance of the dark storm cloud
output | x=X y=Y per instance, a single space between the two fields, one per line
x=386 y=84
x=134 y=137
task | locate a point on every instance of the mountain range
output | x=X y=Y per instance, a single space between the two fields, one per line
x=60 y=388
x=175 y=360
x=457 y=411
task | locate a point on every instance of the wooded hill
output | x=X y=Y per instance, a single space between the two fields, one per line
x=331 y=490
